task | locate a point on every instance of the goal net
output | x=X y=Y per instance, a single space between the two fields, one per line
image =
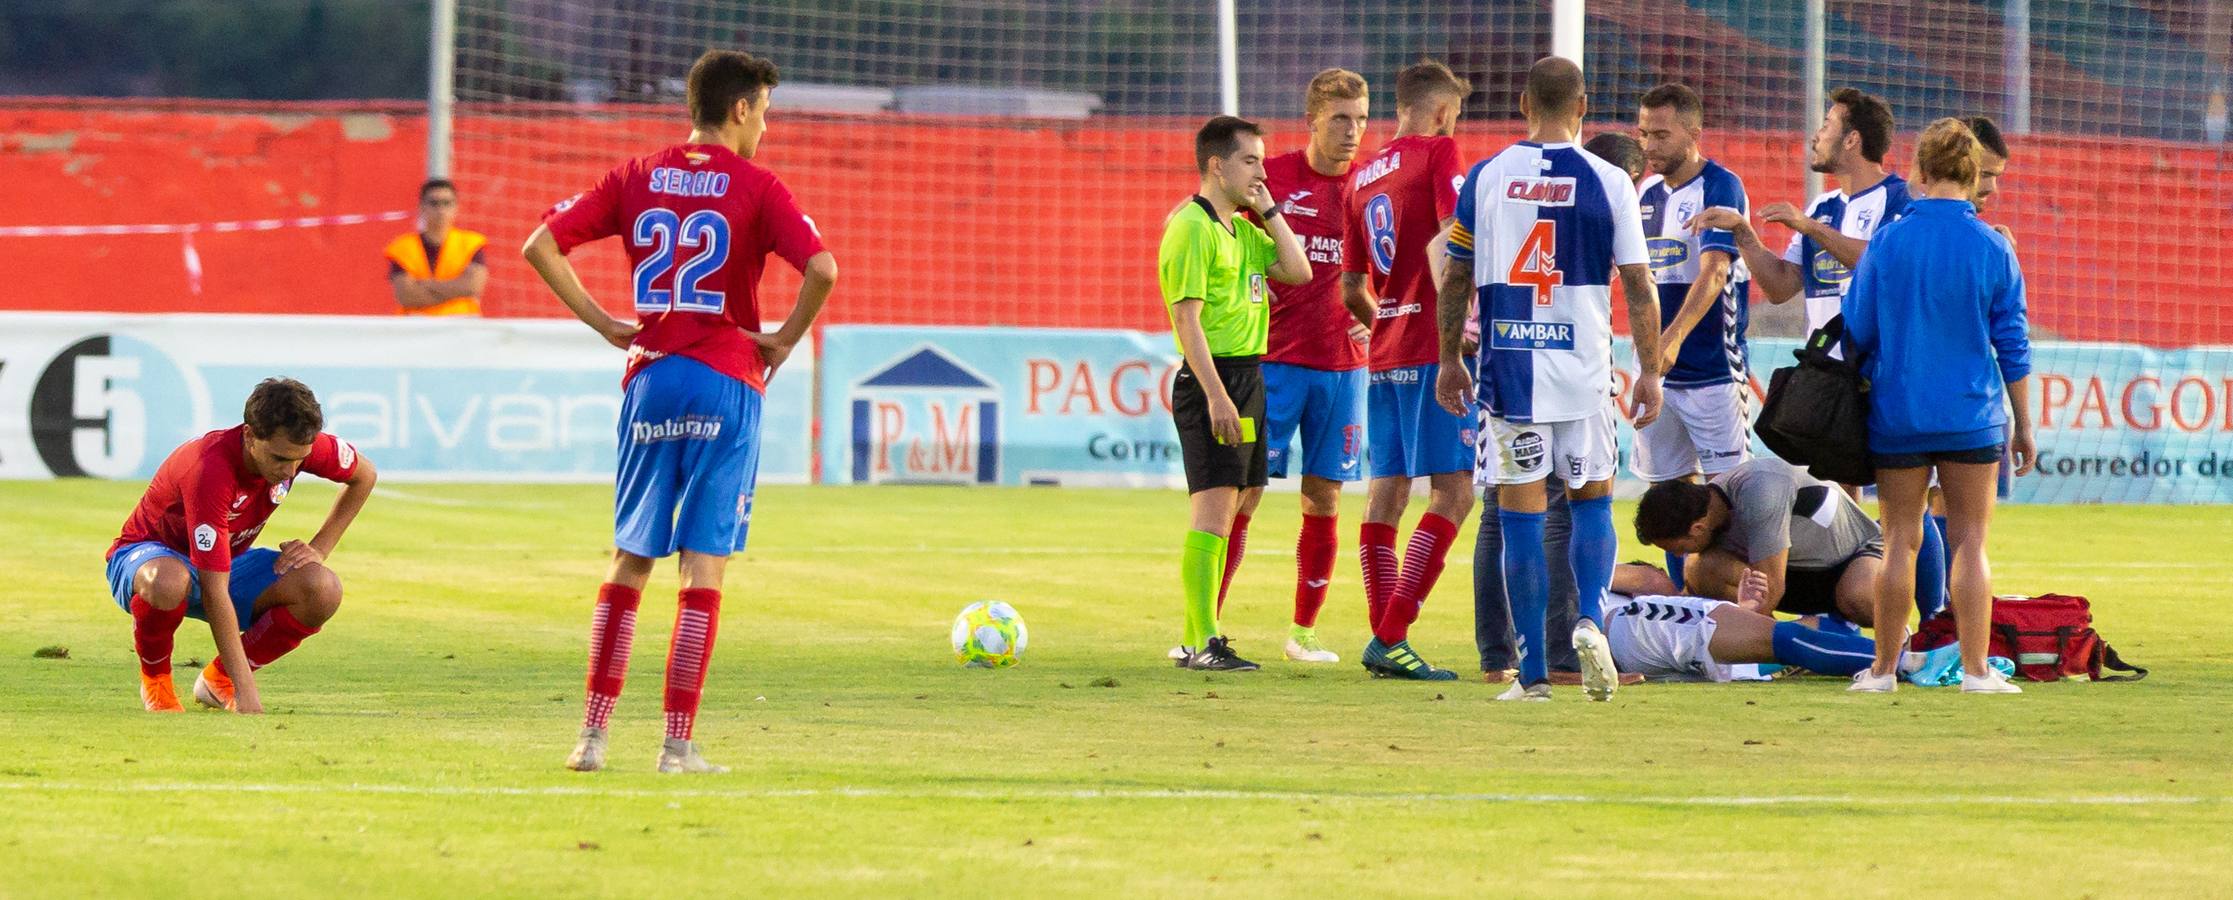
x=1009 y=162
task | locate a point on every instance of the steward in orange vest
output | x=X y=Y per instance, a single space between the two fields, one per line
x=438 y=270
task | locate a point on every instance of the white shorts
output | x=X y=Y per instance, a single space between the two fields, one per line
x=1702 y=430
x=1820 y=310
x=1665 y=637
x=1576 y=452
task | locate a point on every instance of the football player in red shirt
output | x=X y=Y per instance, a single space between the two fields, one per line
x=1399 y=200
x=185 y=551
x=699 y=220
x=1314 y=374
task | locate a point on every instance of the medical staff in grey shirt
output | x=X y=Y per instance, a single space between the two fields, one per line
x=1819 y=552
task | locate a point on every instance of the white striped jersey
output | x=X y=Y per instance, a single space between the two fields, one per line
x=1822 y=277
x=1714 y=351
x=1544 y=225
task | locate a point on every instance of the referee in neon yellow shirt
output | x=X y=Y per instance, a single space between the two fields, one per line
x=1212 y=268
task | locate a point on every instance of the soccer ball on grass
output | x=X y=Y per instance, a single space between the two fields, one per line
x=989 y=635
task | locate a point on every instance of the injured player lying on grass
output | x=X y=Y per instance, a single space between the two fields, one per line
x=1664 y=636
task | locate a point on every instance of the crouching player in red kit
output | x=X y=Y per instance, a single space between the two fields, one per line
x=185 y=549
x=698 y=220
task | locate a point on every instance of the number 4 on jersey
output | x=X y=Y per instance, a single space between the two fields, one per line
x=1536 y=265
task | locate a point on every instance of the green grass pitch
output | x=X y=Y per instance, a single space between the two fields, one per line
x=414 y=748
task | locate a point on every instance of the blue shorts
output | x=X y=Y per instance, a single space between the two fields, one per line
x=251 y=577
x=1411 y=435
x=1328 y=406
x=689 y=458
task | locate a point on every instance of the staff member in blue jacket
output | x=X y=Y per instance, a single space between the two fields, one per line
x=1936 y=313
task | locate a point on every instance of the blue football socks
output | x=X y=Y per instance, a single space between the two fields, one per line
x=1822 y=652
x=1930 y=569
x=1591 y=553
x=1527 y=587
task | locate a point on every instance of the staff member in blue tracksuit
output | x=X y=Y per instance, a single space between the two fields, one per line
x=1936 y=312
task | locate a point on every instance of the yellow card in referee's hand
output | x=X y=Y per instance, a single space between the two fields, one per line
x=1248 y=431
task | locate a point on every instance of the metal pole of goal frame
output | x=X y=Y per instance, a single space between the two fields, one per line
x=1567 y=26
x=1228 y=57
x=1817 y=58
x=441 y=87
x=2016 y=58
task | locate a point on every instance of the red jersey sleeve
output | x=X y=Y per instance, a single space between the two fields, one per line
x=589 y=215
x=1352 y=236
x=1345 y=193
x=1447 y=176
x=207 y=495
x=790 y=233
x=331 y=458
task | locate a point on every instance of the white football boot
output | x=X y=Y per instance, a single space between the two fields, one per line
x=1304 y=647
x=678 y=756
x=1527 y=693
x=1599 y=676
x=589 y=755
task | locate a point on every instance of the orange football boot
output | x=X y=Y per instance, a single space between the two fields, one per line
x=213 y=688
x=158 y=694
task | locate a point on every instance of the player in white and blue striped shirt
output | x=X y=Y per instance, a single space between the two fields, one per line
x=1702 y=300
x=1539 y=229
x=1856 y=132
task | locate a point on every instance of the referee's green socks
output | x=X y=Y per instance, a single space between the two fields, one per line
x=1201 y=567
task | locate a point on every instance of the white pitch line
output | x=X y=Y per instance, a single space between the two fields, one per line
x=390 y=493
x=2118 y=565
x=418 y=790
x=1270 y=553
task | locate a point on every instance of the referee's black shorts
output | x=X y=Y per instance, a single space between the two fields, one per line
x=1210 y=464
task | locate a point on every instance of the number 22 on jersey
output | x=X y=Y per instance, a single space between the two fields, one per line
x=666 y=233
x=1536 y=265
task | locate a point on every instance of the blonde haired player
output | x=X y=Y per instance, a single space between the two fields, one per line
x=1314 y=368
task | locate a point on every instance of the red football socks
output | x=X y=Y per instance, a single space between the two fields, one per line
x=612 y=633
x=1422 y=564
x=153 y=631
x=1236 y=546
x=1376 y=551
x=1314 y=567
x=695 y=624
x=275 y=633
